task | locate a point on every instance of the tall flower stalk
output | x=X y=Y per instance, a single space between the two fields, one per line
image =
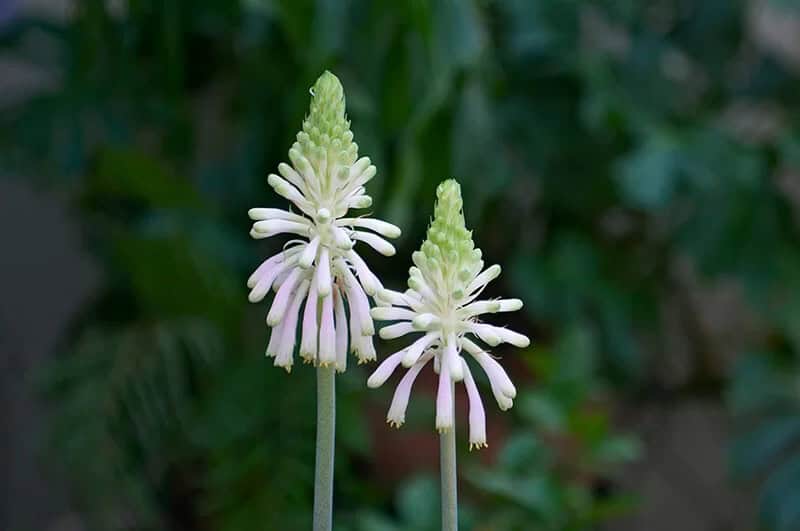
x=442 y=303
x=318 y=274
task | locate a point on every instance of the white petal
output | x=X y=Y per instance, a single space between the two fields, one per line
x=418 y=285
x=396 y=330
x=494 y=335
x=323 y=273
x=381 y=227
x=491 y=273
x=502 y=388
x=358 y=168
x=510 y=305
x=444 y=399
x=261 y=214
x=271 y=227
x=426 y=321
x=375 y=241
x=304 y=167
x=341 y=239
x=387 y=313
x=283 y=188
x=309 y=253
x=359 y=201
x=450 y=353
x=293 y=177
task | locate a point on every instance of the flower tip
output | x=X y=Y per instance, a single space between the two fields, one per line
x=512 y=305
x=274 y=181
x=323 y=290
x=478 y=445
x=395 y=423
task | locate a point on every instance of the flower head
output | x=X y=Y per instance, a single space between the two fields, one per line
x=320 y=270
x=441 y=303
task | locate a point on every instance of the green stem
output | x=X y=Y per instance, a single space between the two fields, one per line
x=326 y=434
x=447 y=446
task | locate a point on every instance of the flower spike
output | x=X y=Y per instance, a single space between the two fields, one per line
x=318 y=272
x=441 y=303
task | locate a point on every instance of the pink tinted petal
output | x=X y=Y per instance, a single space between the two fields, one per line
x=397 y=410
x=261 y=287
x=289 y=329
x=282 y=299
x=327 y=333
x=385 y=370
x=358 y=299
x=416 y=349
x=274 y=340
x=368 y=279
x=477 y=415
x=308 y=343
x=341 y=331
x=266 y=265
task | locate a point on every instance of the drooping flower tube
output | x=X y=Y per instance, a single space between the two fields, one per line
x=319 y=271
x=442 y=304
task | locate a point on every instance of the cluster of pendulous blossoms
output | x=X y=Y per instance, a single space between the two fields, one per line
x=442 y=304
x=318 y=272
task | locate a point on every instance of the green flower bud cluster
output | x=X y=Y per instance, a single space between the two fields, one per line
x=448 y=258
x=326 y=140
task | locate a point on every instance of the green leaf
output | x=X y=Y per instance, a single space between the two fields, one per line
x=761 y=447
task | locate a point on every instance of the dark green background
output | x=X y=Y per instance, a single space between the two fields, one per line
x=633 y=166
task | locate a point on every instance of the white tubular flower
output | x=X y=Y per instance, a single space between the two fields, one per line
x=319 y=273
x=441 y=304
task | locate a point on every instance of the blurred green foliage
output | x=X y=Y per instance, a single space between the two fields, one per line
x=600 y=145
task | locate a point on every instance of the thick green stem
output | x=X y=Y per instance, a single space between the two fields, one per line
x=447 y=456
x=326 y=435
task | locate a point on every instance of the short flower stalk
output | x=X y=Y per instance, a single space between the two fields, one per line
x=442 y=304
x=318 y=275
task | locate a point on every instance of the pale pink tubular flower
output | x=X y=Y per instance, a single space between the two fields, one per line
x=318 y=275
x=442 y=305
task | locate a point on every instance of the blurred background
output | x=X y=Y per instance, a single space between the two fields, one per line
x=633 y=166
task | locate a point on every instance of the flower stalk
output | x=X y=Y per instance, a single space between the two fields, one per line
x=449 y=479
x=326 y=435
